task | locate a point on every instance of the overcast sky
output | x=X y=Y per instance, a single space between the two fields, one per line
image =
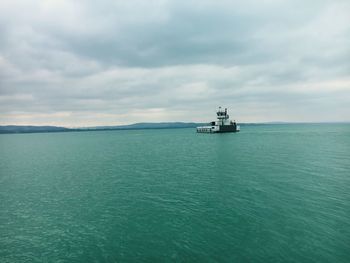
x=87 y=63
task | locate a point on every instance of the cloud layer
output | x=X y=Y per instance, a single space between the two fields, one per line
x=81 y=63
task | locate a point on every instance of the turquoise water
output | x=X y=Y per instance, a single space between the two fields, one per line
x=271 y=193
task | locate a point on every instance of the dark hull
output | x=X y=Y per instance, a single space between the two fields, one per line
x=228 y=128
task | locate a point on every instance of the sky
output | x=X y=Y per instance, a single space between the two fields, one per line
x=88 y=63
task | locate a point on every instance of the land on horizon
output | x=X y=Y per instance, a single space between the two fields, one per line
x=7 y=129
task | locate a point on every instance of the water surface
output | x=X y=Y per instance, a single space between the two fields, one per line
x=271 y=193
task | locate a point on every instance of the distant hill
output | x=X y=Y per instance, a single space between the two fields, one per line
x=145 y=125
x=31 y=129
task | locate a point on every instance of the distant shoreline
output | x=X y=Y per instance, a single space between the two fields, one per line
x=16 y=129
x=11 y=129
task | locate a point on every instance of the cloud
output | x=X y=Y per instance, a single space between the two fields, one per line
x=78 y=63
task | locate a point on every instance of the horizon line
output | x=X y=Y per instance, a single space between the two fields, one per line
x=171 y=122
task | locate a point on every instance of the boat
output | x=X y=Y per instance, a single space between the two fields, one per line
x=223 y=124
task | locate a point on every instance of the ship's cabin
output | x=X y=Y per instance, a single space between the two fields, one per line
x=222 y=114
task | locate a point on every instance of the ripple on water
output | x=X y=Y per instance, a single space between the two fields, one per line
x=270 y=193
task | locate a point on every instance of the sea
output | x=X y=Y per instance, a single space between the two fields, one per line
x=270 y=193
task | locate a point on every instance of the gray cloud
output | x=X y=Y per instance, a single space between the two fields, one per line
x=79 y=63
